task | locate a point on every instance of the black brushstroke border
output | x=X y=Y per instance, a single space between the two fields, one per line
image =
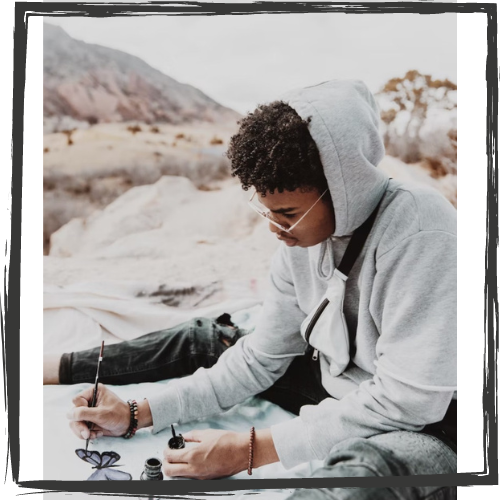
x=489 y=475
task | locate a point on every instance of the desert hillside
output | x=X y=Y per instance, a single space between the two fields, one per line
x=137 y=186
x=87 y=83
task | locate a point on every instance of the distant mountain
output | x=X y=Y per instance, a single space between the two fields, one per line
x=91 y=83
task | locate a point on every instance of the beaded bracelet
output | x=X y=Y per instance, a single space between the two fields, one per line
x=132 y=428
x=250 y=450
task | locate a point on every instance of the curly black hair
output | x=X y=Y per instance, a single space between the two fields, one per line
x=274 y=151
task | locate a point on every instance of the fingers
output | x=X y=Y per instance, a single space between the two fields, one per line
x=193 y=436
x=81 y=430
x=96 y=432
x=84 y=413
x=84 y=397
x=176 y=456
x=79 y=416
x=178 y=470
x=78 y=429
x=81 y=413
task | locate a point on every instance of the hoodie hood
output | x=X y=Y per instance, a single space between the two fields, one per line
x=345 y=127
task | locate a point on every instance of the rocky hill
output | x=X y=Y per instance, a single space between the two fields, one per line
x=89 y=84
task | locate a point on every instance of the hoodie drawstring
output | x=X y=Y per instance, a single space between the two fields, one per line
x=326 y=248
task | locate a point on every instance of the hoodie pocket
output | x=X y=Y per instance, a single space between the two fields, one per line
x=325 y=328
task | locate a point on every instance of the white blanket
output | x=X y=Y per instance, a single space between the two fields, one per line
x=80 y=316
x=61 y=462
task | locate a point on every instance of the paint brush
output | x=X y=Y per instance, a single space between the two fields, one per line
x=94 y=396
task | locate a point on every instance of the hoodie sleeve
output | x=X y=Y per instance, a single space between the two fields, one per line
x=413 y=304
x=251 y=366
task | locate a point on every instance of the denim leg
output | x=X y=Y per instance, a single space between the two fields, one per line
x=160 y=355
x=398 y=453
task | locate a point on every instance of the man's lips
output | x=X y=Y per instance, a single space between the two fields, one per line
x=284 y=238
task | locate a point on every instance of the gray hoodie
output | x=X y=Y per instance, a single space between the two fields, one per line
x=400 y=299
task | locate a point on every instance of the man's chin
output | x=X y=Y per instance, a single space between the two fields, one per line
x=291 y=243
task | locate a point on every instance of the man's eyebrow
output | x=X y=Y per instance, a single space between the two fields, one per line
x=283 y=210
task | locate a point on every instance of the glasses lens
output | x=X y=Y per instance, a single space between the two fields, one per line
x=264 y=212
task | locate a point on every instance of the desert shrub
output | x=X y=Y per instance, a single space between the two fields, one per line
x=215 y=140
x=437 y=167
x=55 y=124
x=180 y=136
x=201 y=170
x=417 y=111
x=68 y=134
x=208 y=169
x=133 y=129
x=59 y=207
x=46 y=150
x=154 y=129
x=204 y=187
x=105 y=190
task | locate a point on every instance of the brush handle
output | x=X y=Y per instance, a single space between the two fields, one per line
x=90 y=425
x=92 y=403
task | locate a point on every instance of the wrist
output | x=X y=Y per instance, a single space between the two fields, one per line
x=145 y=419
x=243 y=443
x=264 y=451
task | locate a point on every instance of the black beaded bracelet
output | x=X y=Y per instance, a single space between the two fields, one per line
x=132 y=429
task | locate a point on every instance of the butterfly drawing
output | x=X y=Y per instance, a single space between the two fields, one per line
x=102 y=462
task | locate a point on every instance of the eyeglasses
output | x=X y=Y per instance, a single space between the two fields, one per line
x=263 y=212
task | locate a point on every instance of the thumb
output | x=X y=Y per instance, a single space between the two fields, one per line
x=83 y=398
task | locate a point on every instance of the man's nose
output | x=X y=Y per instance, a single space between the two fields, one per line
x=273 y=228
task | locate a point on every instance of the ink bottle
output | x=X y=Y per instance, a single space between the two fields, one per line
x=152 y=470
x=176 y=442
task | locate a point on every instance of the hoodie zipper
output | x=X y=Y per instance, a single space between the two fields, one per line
x=313 y=322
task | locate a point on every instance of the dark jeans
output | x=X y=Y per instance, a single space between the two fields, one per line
x=180 y=351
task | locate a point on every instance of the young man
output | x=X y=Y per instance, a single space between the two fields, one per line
x=357 y=335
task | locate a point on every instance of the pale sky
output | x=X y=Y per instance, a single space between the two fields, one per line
x=241 y=61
